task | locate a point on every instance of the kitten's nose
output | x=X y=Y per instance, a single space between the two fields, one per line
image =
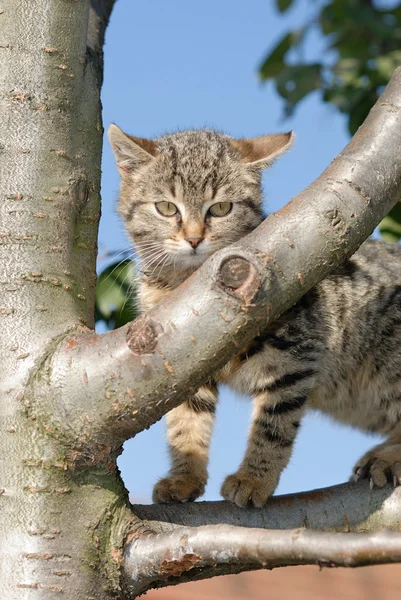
x=194 y=241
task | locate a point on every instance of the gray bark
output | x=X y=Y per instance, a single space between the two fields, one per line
x=154 y=560
x=175 y=543
x=69 y=398
x=50 y=149
x=349 y=507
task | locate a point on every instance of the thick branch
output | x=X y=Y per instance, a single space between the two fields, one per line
x=163 y=558
x=133 y=376
x=350 y=507
x=183 y=542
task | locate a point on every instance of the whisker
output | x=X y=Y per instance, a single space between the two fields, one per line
x=148 y=260
x=163 y=264
x=149 y=249
x=127 y=295
x=143 y=252
x=121 y=283
x=113 y=253
x=116 y=267
x=140 y=245
x=153 y=263
x=174 y=262
x=157 y=260
x=165 y=254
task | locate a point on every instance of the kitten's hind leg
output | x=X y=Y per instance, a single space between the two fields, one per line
x=382 y=463
x=189 y=429
x=276 y=419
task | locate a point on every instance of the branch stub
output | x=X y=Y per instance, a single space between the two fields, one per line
x=234 y=272
x=239 y=277
x=142 y=335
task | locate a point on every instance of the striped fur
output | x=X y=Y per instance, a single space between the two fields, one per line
x=338 y=350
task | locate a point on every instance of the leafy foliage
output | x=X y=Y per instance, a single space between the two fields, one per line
x=362 y=48
x=284 y=5
x=115 y=295
x=390 y=227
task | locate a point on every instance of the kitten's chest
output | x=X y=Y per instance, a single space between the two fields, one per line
x=149 y=296
x=151 y=292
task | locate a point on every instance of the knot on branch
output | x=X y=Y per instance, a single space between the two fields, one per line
x=142 y=335
x=239 y=277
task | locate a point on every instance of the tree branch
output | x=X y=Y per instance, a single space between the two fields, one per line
x=173 y=543
x=349 y=507
x=133 y=376
x=99 y=15
x=155 y=560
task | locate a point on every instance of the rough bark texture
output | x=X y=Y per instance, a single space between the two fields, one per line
x=69 y=398
x=175 y=543
x=154 y=560
x=50 y=150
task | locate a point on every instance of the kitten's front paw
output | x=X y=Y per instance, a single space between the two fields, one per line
x=244 y=490
x=178 y=488
x=380 y=465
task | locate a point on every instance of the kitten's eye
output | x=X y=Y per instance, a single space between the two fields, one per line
x=167 y=209
x=220 y=209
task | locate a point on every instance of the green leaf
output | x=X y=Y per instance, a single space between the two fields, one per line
x=362 y=48
x=347 y=70
x=115 y=295
x=297 y=81
x=390 y=227
x=284 y=5
x=274 y=62
x=387 y=63
x=354 y=99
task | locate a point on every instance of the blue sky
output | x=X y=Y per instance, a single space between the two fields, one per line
x=177 y=65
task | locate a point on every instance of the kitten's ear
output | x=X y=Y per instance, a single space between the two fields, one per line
x=262 y=151
x=130 y=152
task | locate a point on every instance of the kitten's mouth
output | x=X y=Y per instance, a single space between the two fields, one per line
x=192 y=260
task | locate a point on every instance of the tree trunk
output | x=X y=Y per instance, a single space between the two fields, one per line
x=53 y=521
x=70 y=398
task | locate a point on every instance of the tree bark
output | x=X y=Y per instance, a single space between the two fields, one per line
x=155 y=560
x=50 y=150
x=69 y=398
x=99 y=15
x=349 y=507
x=174 y=543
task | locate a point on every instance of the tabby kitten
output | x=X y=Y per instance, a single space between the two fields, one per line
x=184 y=196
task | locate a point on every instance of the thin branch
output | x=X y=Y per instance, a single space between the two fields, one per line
x=158 y=559
x=350 y=507
x=124 y=381
x=99 y=15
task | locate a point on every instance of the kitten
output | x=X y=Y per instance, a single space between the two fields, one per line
x=184 y=196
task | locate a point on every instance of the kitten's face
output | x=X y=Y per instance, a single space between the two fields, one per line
x=186 y=195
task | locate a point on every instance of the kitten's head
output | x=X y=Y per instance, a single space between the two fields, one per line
x=186 y=195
